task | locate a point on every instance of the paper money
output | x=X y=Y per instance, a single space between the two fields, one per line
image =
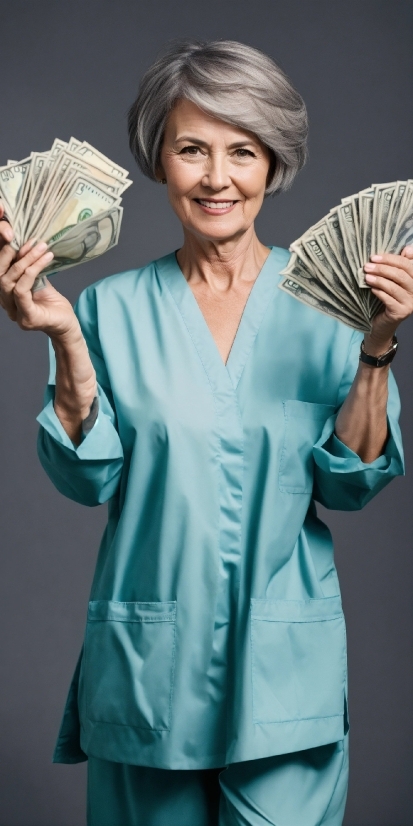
x=69 y=197
x=326 y=271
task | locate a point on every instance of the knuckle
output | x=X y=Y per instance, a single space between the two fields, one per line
x=24 y=323
x=19 y=291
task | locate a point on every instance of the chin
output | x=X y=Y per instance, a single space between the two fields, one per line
x=224 y=233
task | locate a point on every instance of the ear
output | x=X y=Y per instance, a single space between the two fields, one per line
x=159 y=171
x=272 y=168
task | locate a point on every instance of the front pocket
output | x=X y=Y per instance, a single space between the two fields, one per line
x=298 y=659
x=303 y=425
x=129 y=663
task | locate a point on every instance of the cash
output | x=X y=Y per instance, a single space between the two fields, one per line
x=325 y=270
x=69 y=197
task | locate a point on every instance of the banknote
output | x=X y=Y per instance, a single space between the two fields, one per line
x=299 y=292
x=316 y=253
x=326 y=268
x=69 y=196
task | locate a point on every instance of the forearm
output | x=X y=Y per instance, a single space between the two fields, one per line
x=362 y=421
x=75 y=381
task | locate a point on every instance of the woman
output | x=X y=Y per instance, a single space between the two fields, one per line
x=210 y=409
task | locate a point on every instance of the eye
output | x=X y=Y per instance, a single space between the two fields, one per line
x=244 y=153
x=190 y=150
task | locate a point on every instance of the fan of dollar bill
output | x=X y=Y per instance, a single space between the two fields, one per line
x=69 y=197
x=325 y=270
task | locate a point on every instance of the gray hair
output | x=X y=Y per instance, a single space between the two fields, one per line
x=232 y=82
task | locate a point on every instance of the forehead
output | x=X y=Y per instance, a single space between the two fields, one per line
x=187 y=119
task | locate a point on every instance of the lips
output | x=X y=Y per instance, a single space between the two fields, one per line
x=215 y=204
x=211 y=207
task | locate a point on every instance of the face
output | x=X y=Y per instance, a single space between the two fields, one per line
x=216 y=173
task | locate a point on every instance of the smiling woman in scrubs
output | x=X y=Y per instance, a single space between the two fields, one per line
x=210 y=410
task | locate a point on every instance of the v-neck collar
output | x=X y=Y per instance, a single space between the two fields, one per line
x=257 y=303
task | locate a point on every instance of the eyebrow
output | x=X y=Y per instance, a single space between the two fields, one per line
x=236 y=145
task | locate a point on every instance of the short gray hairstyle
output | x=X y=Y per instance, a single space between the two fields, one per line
x=232 y=82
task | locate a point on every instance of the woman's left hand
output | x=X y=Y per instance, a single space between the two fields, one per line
x=391 y=280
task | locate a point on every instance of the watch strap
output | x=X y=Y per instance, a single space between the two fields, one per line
x=383 y=359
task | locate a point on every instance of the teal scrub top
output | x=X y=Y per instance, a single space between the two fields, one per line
x=215 y=630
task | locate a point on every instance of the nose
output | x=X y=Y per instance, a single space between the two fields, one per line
x=216 y=175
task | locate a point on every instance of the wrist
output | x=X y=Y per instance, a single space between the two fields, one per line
x=376 y=346
x=73 y=406
x=72 y=336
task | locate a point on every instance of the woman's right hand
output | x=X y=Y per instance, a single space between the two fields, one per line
x=46 y=309
x=51 y=312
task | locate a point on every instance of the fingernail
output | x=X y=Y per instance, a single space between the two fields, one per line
x=369 y=266
x=42 y=247
x=409 y=250
x=371 y=279
x=378 y=257
x=48 y=257
x=9 y=234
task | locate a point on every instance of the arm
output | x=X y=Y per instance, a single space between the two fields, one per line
x=87 y=470
x=75 y=381
x=362 y=422
x=50 y=312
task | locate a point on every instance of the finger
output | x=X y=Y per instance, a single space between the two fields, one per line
x=396 y=274
x=26 y=247
x=7 y=256
x=6 y=231
x=391 y=288
x=10 y=278
x=394 y=308
x=22 y=290
x=20 y=298
x=407 y=252
x=400 y=261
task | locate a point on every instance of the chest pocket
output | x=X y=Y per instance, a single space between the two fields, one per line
x=303 y=425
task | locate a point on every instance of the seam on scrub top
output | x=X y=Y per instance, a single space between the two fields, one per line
x=298 y=720
x=292 y=489
x=217 y=415
x=160 y=618
x=299 y=621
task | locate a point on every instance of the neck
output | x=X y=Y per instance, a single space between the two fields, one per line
x=221 y=264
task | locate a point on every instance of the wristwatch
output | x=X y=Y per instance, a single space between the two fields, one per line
x=379 y=361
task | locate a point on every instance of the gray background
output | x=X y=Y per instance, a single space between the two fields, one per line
x=73 y=69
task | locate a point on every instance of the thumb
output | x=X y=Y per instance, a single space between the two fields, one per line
x=407 y=252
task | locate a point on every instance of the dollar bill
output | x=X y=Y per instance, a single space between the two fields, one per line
x=326 y=268
x=381 y=214
x=85 y=199
x=12 y=178
x=300 y=270
x=85 y=241
x=326 y=272
x=98 y=159
x=70 y=197
x=302 y=294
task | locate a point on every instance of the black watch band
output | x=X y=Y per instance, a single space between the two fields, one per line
x=379 y=361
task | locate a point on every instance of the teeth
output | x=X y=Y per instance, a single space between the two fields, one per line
x=214 y=205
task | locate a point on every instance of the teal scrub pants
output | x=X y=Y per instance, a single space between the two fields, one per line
x=307 y=788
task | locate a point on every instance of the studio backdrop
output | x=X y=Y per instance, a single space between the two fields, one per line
x=73 y=69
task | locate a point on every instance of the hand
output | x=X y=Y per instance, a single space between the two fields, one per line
x=46 y=309
x=391 y=280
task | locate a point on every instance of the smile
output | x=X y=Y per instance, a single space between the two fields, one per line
x=215 y=206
